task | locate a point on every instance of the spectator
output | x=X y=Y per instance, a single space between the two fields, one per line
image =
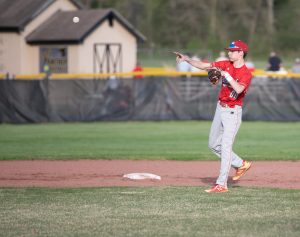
x=138 y=68
x=183 y=66
x=274 y=62
x=112 y=83
x=222 y=57
x=296 y=66
x=46 y=70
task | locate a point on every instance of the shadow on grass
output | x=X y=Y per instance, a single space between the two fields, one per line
x=212 y=180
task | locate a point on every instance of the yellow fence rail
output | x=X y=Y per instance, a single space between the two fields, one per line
x=155 y=72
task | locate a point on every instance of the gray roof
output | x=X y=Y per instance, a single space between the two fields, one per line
x=16 y=14
x=60 y=29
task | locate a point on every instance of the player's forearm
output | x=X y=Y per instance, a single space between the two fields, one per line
x=234 y=84
x=198 y=64
x=195 y=63
x=237 y=87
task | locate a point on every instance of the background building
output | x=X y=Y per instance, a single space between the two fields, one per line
x=35 y=34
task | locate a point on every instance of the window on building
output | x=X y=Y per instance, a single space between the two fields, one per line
x=54 y=59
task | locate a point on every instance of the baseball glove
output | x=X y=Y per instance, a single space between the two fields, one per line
x=214 y=75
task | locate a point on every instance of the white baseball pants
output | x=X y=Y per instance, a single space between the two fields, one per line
x=223 y=130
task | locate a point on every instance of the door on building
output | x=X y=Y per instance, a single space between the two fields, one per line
x=107 y=58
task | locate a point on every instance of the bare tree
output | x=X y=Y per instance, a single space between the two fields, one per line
x=253 y=23
x=213 y=18
x=270 y=20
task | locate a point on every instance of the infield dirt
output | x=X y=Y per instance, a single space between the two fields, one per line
x=100 y=173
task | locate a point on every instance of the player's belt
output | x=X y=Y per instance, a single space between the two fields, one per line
x=224 y=105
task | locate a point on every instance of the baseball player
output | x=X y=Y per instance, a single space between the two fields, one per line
x=236 y=79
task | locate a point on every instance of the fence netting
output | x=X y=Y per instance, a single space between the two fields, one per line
x=152 y=98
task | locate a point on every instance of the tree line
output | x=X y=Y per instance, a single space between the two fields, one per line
x=264 y=24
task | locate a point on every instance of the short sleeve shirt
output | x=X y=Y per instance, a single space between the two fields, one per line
x=274 y=63
x=242 y=75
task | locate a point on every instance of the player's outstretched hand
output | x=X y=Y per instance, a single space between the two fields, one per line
x=180 y=57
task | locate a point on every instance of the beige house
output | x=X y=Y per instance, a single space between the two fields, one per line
x=45 y=36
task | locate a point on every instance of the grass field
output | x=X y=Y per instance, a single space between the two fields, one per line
x=165 y=211
x=144 y=211
x=184 y=140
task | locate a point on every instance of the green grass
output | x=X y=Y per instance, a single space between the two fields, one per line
x=183 y=140
x=164 y=211
x=157 y=211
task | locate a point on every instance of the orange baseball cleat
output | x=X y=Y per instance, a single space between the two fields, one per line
x=217 y=188
x=242 y=170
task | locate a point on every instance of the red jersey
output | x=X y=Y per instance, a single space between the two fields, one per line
x=242 y=75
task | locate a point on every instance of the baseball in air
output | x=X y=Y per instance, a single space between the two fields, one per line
x=75 y=19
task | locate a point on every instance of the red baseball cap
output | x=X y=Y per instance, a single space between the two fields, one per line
x=238 y=45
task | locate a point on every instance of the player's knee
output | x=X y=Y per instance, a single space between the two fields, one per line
x=212 y=145
x=215 y=148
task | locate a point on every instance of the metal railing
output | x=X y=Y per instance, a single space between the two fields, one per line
x=147 y=72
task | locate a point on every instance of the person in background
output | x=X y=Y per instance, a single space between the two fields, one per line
x=138 y=68
x=183 y=66
x=296 y=66
x=46 y=70
x=274 y=62
x=250 y=65
x=222 y=57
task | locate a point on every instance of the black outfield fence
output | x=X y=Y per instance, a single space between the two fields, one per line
x=168 y=98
